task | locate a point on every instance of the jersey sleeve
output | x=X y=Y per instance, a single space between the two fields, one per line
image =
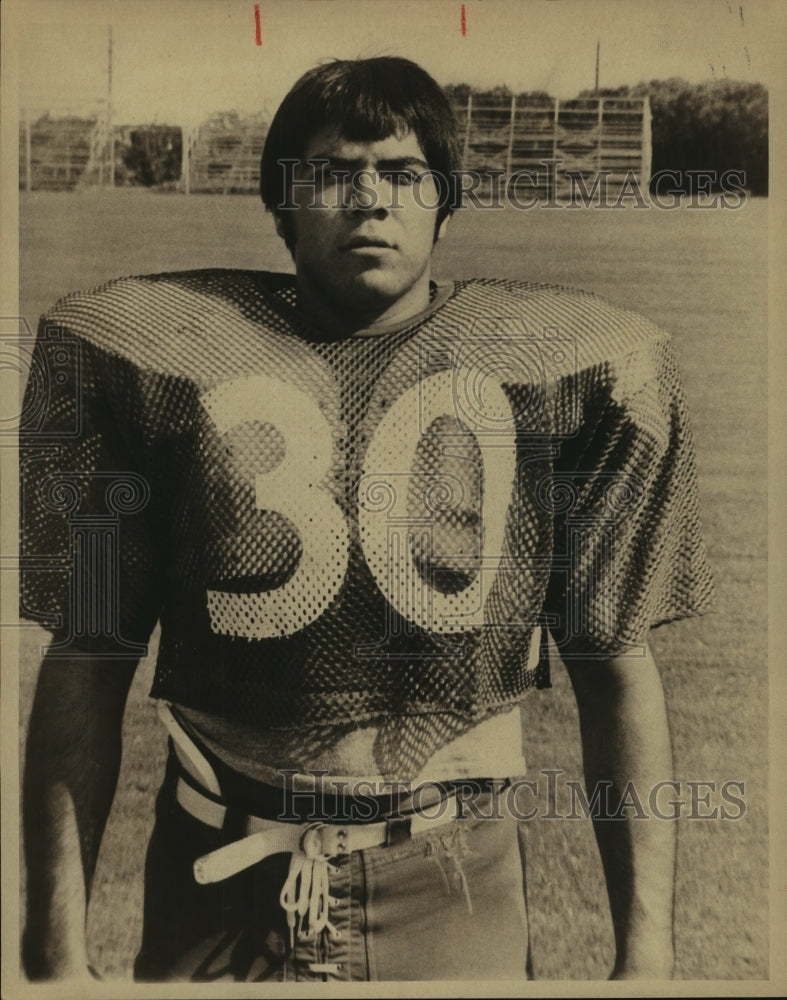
x=628 y=551
x=88 y=552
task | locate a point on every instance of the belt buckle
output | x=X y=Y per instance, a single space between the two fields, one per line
x=324 y=840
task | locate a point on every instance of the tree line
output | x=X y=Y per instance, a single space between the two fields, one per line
x=718 y=125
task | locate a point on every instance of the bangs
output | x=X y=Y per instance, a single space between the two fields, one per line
x=368 y=126
x=374 y=100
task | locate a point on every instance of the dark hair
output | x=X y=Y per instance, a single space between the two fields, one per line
x=367 y=100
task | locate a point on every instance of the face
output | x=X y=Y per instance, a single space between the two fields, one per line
x=363 y=230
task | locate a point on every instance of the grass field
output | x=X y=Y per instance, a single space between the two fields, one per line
x=702 y=273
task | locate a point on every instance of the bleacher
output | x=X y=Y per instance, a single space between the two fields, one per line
x=584 y=136
x=62 y=151
x=223 y=154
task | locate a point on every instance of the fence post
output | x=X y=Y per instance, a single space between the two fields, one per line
x=467 y=129
x=111 y=142
x=185 y=159
x=510 y=150
x=646 y=161
x=599 y=141
x=28 y=152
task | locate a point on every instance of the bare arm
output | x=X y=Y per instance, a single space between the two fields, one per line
x=625 y=739
x=71 y=770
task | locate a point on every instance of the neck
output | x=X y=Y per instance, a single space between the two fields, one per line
x=328 y=313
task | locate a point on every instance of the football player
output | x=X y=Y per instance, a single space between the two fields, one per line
x=356 y=501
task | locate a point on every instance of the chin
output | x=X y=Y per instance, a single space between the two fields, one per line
x=374 y=285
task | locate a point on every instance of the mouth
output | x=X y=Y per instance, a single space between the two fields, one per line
x=367 y=243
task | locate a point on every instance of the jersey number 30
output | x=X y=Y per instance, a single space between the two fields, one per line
x=294 y=489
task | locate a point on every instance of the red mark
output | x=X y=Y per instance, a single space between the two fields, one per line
x=463 y=20
x=257 y=24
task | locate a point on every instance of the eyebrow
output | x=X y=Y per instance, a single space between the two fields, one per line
x=391 y=163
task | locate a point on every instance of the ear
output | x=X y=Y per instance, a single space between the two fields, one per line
x=441 y=229
x=281 y=230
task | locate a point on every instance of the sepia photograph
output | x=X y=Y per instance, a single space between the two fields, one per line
x=386 y=460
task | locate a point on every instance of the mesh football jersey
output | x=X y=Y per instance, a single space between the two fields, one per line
x=332 y=530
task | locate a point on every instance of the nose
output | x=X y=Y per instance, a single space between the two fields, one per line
x=370 y=194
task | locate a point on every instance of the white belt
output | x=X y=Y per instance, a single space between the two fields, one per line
x=305 y=895
x=265 y=837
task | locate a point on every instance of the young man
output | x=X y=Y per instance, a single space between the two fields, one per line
x=352 y=498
